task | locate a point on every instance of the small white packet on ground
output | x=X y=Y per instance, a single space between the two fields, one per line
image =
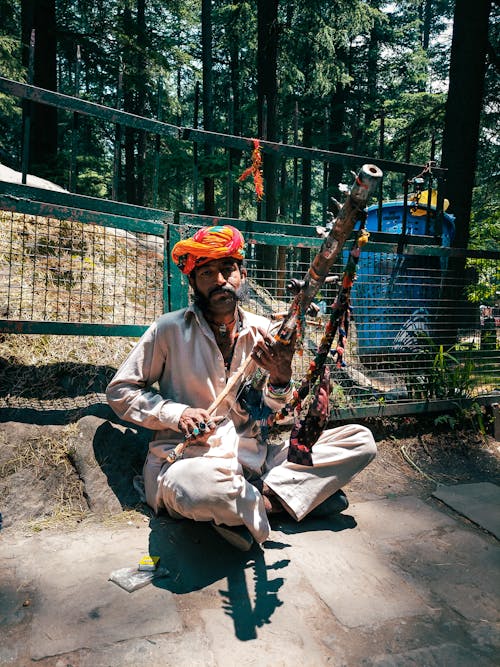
x=131 y=579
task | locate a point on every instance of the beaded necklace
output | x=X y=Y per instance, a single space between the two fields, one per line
x=221 y=337
x=222 y=334
x=222 y=328
x=227 y=362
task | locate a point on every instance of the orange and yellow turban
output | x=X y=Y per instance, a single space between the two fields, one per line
x=207 y=244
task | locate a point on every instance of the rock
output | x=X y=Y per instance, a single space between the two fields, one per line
x=107 y=456
x=99 y=496
x=13 y=176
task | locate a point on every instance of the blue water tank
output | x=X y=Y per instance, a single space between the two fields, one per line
x=416 y=225
x=395 y=297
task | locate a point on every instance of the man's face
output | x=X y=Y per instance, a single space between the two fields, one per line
x=217 y=284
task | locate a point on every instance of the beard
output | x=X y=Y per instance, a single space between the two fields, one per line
x=204 y=302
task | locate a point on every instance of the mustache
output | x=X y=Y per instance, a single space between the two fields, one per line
x=223 y=290
x=239 y=294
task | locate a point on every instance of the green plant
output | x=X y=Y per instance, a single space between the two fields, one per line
x=450 y=377
x=444 y=373
x=475 y=413
x=464 y=416
x=446 y=420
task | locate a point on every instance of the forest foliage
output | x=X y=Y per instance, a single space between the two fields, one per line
x=366 y=77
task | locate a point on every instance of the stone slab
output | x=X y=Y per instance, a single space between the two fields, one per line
x=356 y=582
x=398 y=582
x=74 y=603
x=267 y=603
x=478 y=502
x=432 y=656
x=402 y=518
x=190 y=649
x=460 y=569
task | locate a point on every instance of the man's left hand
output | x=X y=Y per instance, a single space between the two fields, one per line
x=275 y=357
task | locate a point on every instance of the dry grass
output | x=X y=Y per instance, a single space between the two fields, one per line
x=35 y=350
x=60 y=517
x=127 y=518
x=41 y=453
x=51 y=367
x=67 y=271
x=43 y=463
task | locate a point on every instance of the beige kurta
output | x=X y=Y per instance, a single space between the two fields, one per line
x=177 y=364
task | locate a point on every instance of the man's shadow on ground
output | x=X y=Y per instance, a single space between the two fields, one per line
x=197 y=557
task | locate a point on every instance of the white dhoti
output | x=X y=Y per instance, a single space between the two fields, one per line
x=212 y=488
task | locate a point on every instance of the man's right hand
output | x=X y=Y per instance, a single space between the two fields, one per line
x=197 y=423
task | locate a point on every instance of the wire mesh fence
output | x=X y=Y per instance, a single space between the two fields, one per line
x=56 y=270
x=415 y=336
x=418 y=332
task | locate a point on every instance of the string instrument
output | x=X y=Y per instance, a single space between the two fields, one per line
x=365 y=183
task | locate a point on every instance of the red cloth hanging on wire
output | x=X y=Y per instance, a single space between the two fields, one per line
x=255 y=170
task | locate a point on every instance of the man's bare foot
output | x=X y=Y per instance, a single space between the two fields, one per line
x=271 y=501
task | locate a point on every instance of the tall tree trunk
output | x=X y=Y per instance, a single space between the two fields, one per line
x=235 y=154
x=426 y=23
x=460 y=142
x=283 y=212
x=41 y=15
x=306 y=173
x=373 y=58
x=267 y=94
x=307 y=125
x=206 y=48
x=134 y=100
x=463 y=109
x=129 y=105
x=141 y=98
x=337 y=125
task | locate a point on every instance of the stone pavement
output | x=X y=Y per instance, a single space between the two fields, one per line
x=391 y=582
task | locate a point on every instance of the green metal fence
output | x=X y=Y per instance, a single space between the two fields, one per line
x=106 y=121
x=77 y=265
x=74 y=264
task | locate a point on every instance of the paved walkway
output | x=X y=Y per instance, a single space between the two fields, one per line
x=393 y=582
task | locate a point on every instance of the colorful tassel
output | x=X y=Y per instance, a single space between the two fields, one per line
x=255 y=170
